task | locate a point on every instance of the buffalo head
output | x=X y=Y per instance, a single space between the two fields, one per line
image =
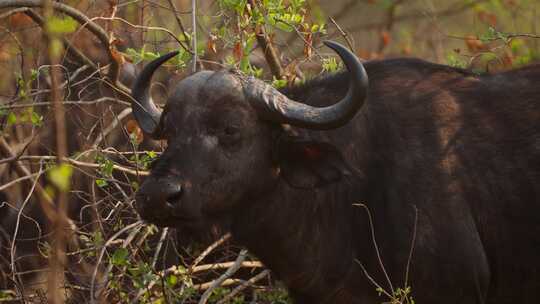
x=223 y=131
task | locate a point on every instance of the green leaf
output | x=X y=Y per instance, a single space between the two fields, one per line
x=236 y=5
x=11 y=119
x=244 y=64
x=101 y=182
x=119 y=257
x=60 y=176
x=7 y=295
x=284 y=27
x=455 y=61
x=34 y=74
x=98 y=239
x=106 y=166
x=330 y=64
x=37 y=120
x=172 y=280
x=279 y=83
x=57 y=25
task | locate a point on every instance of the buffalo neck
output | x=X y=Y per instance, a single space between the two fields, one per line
x=312 y=239
x=306 y=237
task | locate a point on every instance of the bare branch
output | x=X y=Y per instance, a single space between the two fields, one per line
x=244 y=285
x=20 y=153
x=232 y=270
x=47 y=204
x=84 y=164
x=209 y=249
x=270 y=53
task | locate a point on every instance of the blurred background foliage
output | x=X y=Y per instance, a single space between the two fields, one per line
x=110 y=255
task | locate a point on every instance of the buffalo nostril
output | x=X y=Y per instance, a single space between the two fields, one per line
x=174 y=194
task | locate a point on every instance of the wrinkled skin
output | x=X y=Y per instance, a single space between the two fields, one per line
x=438 y=155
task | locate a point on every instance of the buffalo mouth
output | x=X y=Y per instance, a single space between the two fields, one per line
x=165 y=214
x=172 y=221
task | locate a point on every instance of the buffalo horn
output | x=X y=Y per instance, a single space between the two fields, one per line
x=274 y=106
x=145 y=111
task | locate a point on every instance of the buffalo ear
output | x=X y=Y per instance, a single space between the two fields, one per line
x=310 y=164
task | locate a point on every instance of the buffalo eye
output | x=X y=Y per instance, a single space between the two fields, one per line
x=230 y=135
x=231 y=130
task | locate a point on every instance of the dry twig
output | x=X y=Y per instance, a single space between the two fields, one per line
x=232 y=270
x=244 y=285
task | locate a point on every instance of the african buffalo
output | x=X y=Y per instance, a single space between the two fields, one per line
x=428 y=176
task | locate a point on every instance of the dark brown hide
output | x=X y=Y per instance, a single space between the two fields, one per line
x=437 y=154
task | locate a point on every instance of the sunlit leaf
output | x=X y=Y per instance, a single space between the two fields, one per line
x=65 y=25
x=60 y=176
x=37 y=120
x=11 y=119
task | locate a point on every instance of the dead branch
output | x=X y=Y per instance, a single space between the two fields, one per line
x=205 y=286
x=20 y=153
x=66 y=102
x=17 y=225
x=83 y=164
x=270 y=53
x=375 y=244
x=209 y=249
x=18 y=180
x=47 y=204
x=194 y=34
x=207 y=267
x=244 y=285
x=178 y=21
x=232 y=270
x=136 y=227
x=116 y=121
x=154 y=28
x=343 y=33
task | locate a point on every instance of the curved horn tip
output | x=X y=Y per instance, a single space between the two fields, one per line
x=331 y=44
x=335 y=46
x=349 y=58
x=145 y=111
x=162 y=59
x=170 y=55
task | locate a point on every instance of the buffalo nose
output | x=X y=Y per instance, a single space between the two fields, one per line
x=155 y=194
x=173 y=193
